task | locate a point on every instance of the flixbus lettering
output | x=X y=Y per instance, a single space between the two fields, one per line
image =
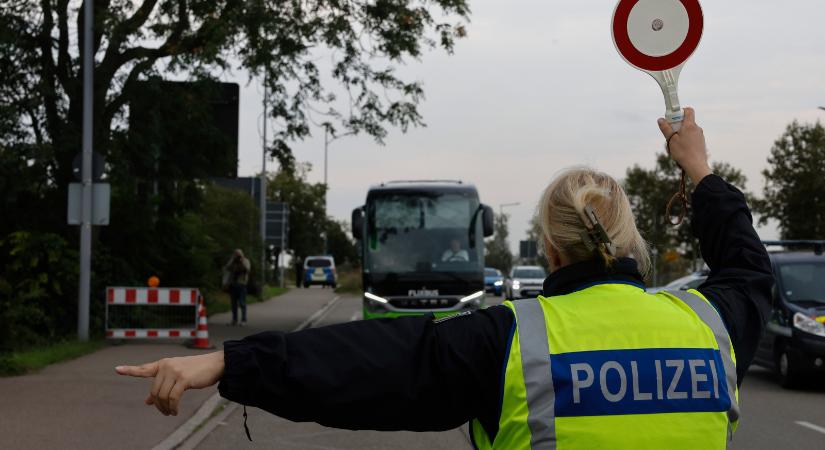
x=645 y=381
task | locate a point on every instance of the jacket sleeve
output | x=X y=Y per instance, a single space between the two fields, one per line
x=740 y=279
x=395 y=374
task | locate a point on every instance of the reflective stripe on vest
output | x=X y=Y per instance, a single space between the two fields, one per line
x=711 y=317
x=536 y=365
x=541 y=398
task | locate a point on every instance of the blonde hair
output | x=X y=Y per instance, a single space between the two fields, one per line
x=562 y=216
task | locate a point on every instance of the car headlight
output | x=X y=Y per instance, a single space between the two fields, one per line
x=516 y=284
x=498 y=283
x=375 y=298
x=472 y=297
x=808 y=325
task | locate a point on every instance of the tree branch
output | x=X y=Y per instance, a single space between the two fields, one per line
x=48 y=71
x=118 y=102
x=64 y=69
x=126 y=28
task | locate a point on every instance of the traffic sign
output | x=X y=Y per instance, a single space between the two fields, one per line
x=101 y=193
x=98 y=166
x=657 y=37
x=277 y=224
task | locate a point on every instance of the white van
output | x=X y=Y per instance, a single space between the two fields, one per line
x=320 y=270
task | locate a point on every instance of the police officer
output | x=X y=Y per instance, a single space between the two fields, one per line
x=596 y=362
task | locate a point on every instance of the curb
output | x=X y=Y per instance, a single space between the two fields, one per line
x=198 y=427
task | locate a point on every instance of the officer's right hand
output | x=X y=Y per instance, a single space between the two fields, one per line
x=172 y=376
x=687 y=147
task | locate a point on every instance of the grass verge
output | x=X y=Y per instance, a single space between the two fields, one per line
x=219 y=301
x=349 y=281
x=25 y=361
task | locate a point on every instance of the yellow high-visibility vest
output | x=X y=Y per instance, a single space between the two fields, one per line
x=613 y=367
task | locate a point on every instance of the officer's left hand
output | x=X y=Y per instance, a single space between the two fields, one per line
x=172 y=376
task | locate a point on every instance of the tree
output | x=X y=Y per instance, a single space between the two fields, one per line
x=497 y=248
x=535 y=234
x=307 y=219
x=41 y=42
x=794 y=192
x=649 y=190
x=339 y=244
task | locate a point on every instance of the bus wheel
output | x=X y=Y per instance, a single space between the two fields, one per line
x=788 y=370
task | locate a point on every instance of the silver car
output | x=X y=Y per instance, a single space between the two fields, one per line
x=691 y=281
x=525 y=281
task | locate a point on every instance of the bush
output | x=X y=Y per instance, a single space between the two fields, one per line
x=38 y=290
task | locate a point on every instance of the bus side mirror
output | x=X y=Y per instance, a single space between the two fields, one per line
x=358 y=223
x=488 y=221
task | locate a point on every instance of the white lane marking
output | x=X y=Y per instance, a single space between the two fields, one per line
x=354 y=316
x=811 y=426
x=318 y=314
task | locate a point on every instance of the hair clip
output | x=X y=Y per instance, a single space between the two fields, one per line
x=596 y=233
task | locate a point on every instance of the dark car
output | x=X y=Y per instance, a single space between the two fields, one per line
x=794 y=341
x=493 y=281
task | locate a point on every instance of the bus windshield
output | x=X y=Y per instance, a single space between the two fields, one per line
x=803 y=281
x=424 y=232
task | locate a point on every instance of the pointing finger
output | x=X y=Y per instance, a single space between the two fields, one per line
x=145 y=371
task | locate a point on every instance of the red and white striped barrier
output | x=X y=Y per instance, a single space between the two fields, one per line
x=124 y=322
x=139 y=333
x=152 y=296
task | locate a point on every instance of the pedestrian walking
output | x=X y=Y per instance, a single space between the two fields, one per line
x=235 y=279
x=593 y=363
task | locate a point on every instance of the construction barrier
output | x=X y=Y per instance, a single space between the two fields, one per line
x=144 y=312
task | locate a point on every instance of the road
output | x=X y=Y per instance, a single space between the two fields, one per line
x=82 y=404
x=773 y=418
x=272 y=432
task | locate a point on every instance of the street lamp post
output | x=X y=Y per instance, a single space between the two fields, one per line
x=262 y=206
x=505 y=205
x=84 y=288
x=327 y=141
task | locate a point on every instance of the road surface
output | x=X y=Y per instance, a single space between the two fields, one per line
x=773 y=417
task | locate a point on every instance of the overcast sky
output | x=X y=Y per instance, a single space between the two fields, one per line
x=537 y=86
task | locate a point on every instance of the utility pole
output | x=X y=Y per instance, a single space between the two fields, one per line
x=263 y=187
x=84 y=287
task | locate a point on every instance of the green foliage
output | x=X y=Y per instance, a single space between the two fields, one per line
x=649 y=191
x=794 y=192
x=497 y=248
x=349 y=281
x=164 y=220
x=22 y=362
x=308 y=222
x=38 y=297
x=307 y=219
x=230 y=220
x=219 y=302
x=534 y=233
x=340 y=245
x=40 y=51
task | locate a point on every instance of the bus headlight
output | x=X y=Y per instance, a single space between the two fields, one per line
x=808 y=325
x=474 y=296
x=375 y=298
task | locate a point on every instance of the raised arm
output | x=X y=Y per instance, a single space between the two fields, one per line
x=740 y=278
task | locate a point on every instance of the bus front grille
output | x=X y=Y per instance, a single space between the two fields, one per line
x=423 y=303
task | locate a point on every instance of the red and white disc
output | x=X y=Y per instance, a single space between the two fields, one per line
x=657 y=35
